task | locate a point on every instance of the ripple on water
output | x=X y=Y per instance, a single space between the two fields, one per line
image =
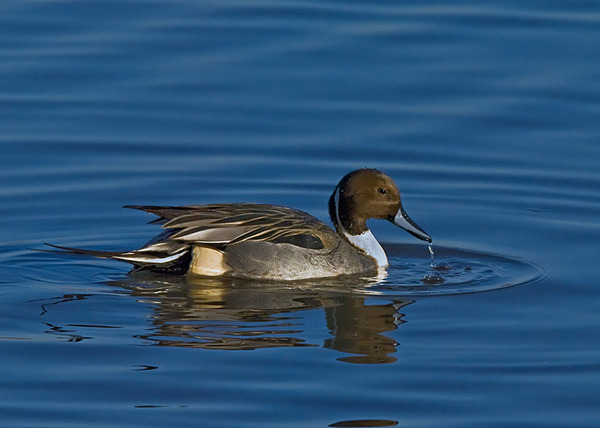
x=411 y=273
x=454 y=271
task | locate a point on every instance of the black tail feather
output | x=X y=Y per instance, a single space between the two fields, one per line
x=71 y=250
x=178 y=266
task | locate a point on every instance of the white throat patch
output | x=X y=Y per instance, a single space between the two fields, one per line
x=367 y=243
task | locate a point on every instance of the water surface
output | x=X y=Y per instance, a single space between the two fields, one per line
x=486 y=116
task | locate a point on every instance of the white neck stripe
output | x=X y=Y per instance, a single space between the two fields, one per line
x=336 y=200
x=367 y=243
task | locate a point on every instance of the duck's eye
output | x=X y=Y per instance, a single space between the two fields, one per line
x=382 y=190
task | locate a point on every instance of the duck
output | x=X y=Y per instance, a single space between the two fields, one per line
x=272 y=242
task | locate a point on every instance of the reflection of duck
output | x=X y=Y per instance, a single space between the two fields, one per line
x=357 y=327
x=219 y=313
x=274 y=242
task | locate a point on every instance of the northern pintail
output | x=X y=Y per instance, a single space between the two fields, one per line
x=273 y=242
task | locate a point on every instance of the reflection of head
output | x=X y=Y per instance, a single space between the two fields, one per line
x=357 y=327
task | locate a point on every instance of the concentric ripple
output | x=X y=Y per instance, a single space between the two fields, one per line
x=454 y=271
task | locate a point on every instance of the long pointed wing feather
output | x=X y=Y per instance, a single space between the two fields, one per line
x=221 y=224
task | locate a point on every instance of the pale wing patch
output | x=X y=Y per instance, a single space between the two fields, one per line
x=220 y=235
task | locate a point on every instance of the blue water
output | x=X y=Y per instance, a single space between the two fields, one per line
x=487 y=116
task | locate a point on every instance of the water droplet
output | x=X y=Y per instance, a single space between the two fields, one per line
x=430 y=247
x=433 y=278
x=442 y=266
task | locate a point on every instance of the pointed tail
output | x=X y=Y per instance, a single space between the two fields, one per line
x=70 y=250
x=152 y=258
